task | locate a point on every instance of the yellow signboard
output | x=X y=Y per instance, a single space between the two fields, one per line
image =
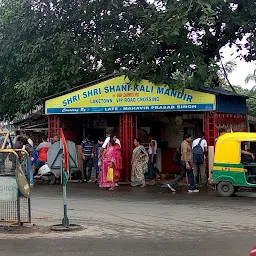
x=119 y=94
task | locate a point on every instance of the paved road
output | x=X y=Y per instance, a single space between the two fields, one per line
x=135 y=221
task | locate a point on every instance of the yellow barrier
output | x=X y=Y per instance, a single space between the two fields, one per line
x=7 y=136
x=15 y=190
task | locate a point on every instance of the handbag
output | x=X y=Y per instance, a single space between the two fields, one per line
x=110 y=174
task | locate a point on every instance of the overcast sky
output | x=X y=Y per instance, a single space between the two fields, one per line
x=242 y=70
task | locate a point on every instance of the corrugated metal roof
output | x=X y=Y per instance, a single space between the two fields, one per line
x=32 y=117
x=220 y=90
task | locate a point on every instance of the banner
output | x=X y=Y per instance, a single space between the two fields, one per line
x=65 y=169
x=119 y=95
x=65 y=151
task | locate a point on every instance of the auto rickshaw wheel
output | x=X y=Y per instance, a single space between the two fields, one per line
x=225 y=189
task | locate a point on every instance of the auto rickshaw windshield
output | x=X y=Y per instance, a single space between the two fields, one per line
x=228 y=147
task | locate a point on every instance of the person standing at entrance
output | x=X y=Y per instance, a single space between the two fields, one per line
x=111 y=159
x=108 y=139
x=98 y=157
x=199 y=147
x=87 y=155
x=139 y=164
x=152 y=152
x=186 y=166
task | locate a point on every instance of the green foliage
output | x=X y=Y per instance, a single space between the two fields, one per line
x=228 y=67
x=50 y=46
x=251 y=78
x=251 y=105
x=251 y=102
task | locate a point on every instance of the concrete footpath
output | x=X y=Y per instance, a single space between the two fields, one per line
x=136 y=221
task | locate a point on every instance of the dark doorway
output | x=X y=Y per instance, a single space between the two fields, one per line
x=96 y=133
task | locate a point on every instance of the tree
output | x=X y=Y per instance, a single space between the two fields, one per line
x=251 y=102
x=251 y=77
x=229 y=67
x=225 y=69
x=49 y=46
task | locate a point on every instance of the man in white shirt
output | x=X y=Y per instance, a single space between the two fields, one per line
x=17 y=134
x=108 y=139
x=202 y=166
x=30 y=141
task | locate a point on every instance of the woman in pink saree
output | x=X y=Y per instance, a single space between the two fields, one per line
x=111 y=158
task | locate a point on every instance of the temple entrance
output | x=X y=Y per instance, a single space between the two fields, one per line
x=167 y=128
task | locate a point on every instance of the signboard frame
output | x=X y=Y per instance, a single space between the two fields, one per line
x=120 y=95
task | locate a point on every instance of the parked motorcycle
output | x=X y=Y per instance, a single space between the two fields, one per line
x=46 y=175
x=51 y=172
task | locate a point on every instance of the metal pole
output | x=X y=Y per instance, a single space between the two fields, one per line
x=29 y=210
x=61 y=168
x=65 y=220
x=18 y=207
x=29 y=172
x=18 y=195
x=247 y=123
x=49 y=127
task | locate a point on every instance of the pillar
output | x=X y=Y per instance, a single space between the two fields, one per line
x=210 y=127
x=128 y=130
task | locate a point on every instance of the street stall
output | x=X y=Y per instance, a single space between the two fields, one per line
x=34 y=123
x=129 y=109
